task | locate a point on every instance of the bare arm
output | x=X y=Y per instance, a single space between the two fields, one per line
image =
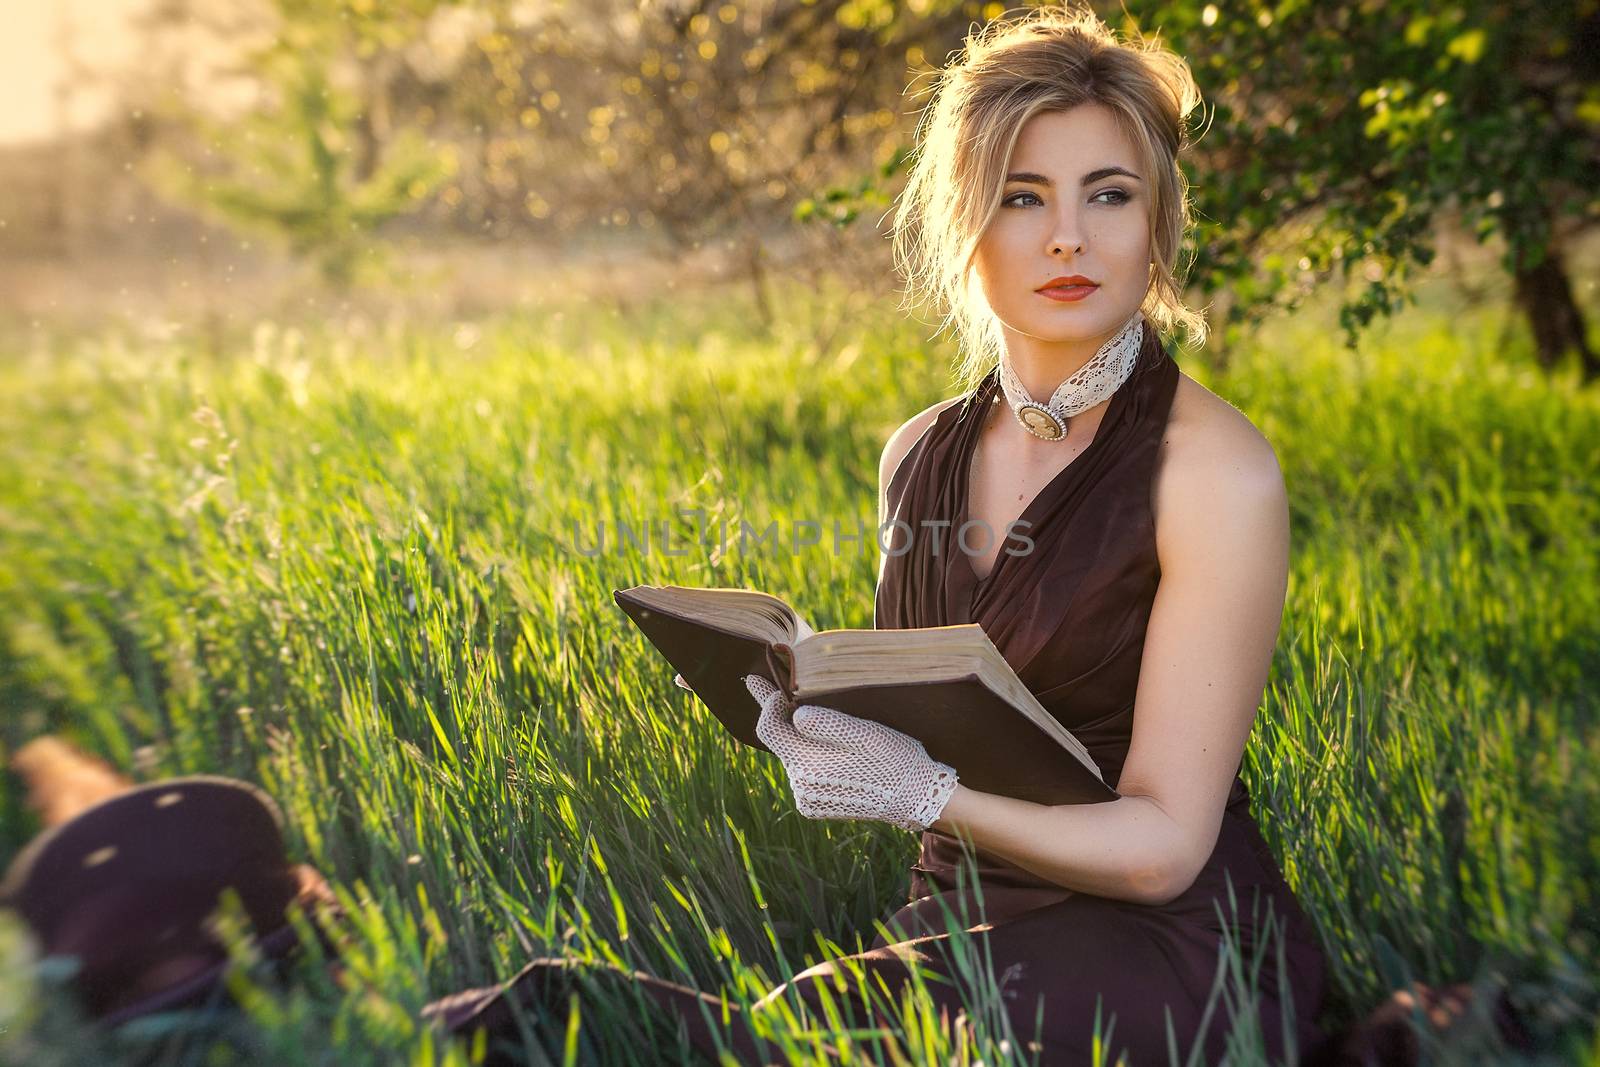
x=1223 y=542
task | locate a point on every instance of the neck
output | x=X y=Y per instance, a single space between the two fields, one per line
x=1043 y=365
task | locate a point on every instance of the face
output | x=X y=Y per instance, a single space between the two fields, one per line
x=1064 y=210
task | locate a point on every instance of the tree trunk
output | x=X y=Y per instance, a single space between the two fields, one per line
x=1544 y=295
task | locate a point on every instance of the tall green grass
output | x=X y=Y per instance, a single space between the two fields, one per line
x=348 y=561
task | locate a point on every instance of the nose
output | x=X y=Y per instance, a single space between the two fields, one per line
x=1068 y=232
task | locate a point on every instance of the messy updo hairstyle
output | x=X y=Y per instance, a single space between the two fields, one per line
x=1048 y=59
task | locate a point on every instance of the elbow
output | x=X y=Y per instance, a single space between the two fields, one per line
x=1165 y=862
x=1161 y=882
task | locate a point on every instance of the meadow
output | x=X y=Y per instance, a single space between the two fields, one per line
x=348 y=560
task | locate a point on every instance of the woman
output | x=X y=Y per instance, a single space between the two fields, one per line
x=1122 y=536
x=1141 y=601
x=1120 y=533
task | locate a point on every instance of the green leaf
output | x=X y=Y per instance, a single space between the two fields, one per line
x=1468 y=47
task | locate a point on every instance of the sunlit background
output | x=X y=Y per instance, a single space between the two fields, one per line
x=36 y=54
x=178 y=158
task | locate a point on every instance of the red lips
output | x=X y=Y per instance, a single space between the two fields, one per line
x=1071 y=279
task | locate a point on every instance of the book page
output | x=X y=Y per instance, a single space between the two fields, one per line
x=744 y=611
x=839 y=659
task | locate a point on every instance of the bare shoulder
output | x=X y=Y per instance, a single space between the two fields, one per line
x=1214 y=469
x=905 y=436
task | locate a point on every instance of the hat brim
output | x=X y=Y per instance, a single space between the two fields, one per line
x=128 y=886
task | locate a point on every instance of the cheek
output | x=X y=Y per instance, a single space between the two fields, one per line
x=996 y=255
x=1129 y=236
x=999 y=264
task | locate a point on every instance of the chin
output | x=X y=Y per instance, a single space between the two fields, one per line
x=1071 y=323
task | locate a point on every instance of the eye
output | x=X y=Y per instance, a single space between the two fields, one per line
x=1007 y=201
x=1121 y=197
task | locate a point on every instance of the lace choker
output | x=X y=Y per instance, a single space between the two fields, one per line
x=1091 y=383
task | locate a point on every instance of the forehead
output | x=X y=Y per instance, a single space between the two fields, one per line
x=1066 y=143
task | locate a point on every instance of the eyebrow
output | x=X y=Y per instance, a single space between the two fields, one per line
x=1088 y=179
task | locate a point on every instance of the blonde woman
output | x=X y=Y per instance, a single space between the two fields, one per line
x=1119 y=532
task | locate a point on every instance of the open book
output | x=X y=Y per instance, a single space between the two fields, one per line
x=947 y=686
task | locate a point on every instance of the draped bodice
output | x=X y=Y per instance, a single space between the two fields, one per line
x=1068 y=599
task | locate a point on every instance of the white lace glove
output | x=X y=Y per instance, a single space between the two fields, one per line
x=844 y=767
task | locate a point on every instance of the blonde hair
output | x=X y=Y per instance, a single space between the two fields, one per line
x=1049 y=59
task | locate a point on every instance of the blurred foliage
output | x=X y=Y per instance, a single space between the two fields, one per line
x=1348 y=127
x=309 y=165
x=1337 y=135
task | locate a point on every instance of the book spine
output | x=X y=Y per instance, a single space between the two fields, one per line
x=780 y=662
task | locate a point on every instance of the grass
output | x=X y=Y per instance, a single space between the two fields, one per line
x=346 y=561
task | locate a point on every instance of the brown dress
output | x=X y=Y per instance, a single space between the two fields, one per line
x=1070 y=616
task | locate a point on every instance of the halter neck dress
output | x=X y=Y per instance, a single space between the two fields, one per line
x=1070 y=616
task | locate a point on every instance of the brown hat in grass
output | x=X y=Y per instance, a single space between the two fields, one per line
x=128 y=886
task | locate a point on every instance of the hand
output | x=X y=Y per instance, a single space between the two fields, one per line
x=844 y=767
